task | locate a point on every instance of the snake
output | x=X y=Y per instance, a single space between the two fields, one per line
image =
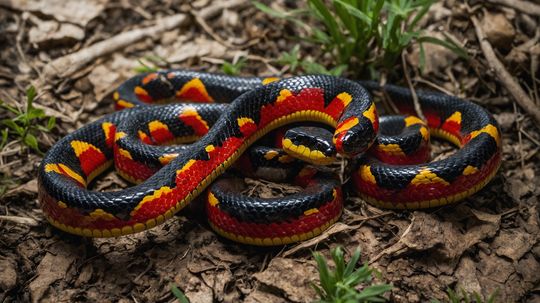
x=228 y=114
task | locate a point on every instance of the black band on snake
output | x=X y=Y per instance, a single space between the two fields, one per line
x=391 y=173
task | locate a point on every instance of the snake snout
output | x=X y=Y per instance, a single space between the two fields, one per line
x=354 y=140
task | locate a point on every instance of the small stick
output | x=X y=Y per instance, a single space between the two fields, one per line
x=523 y=6
x=213 y=10
x=71 y=63
x=520 y=139
x=416 y=102
x=504 y=76
x=20 y=220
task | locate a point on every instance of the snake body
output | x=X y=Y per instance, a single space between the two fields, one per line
x=169 y=177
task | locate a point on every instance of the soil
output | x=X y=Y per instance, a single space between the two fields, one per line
x=488 y=243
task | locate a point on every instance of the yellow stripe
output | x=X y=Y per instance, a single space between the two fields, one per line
x=371 y=113
x=212 y=199
x=425 y=176
x=124 y=104
x=62 y=169
x=269 y=80
x=412 y=120
x=347 y=125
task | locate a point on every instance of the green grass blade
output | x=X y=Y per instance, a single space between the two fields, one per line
x=269 y=11
x=324 y=274
x=352 y=263
x=30 y=96
x=339 y=261
x=424 y=8
x=348 y=21
x=355 y=12
x=32 y=142
x=178 y=294
x=458 y=50
x=5 y=133
x=329 y=21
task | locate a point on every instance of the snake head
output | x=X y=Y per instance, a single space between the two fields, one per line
x=353 y=136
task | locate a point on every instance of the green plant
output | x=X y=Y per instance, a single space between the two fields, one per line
x=463 y=296
x=6 y=182
x=341 y=283
x=364 y=33
x=149 y=64
x=233 y=68
x=25 y=123
x=178 y=294
x=292 y=59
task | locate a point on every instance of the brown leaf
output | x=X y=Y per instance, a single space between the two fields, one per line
x=485 y=225
x=290 y=277
x=71 y=11
x=513 y=243
x=8 y=274
x=52 y=268
x=47 y=34
x=334 y=229
x=466 y=275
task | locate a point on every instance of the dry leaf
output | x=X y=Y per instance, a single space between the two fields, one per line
x=295 y=284
x=71 y=11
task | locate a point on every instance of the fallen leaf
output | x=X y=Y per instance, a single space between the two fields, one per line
x=513 y=243
x=494 y=267
x=52 y=268
x=466 y=275
x=47 y=34
x=71 y=11
x=8 y=274
x=259 y=296
x=334 y=229
x=295 y=285
x=484 y=225
x=200 y=47
x=104 y=80
x=28 y=188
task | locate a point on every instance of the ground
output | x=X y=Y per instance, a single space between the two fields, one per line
x=489 y=242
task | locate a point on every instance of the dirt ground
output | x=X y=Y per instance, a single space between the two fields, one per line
x=489 y=242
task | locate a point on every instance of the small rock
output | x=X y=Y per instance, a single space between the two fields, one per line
x=498 y=30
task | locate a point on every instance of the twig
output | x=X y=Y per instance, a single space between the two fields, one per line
x=69 y=64
x=20 y=220
x=417 y=107
x=504 y=76
x=521 y=130
x=523 y=6
x=520 y=139
x=434 y=86
x=211 y=32
x=212 y=10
